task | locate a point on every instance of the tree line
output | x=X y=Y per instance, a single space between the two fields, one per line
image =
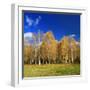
x=47 y=50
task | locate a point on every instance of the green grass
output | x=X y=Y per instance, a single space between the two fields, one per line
x=51 y=70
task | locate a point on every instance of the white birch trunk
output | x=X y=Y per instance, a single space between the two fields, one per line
x=39 y=48
x=72 y=55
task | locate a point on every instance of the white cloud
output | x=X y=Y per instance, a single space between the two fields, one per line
x=29 y=21
x=27 y=38
x=72 y=35
x=28 y=34
x=37 y=20
x=32 y=22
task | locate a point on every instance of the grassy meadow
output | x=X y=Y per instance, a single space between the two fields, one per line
x=51 y=70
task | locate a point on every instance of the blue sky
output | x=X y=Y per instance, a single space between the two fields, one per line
x=60 y=24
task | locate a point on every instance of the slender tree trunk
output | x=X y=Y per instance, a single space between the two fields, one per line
x=35 y=55
x=30 y=62
x=48 y=61
x=72 y=55
x=39 y=61
x=39 y=46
